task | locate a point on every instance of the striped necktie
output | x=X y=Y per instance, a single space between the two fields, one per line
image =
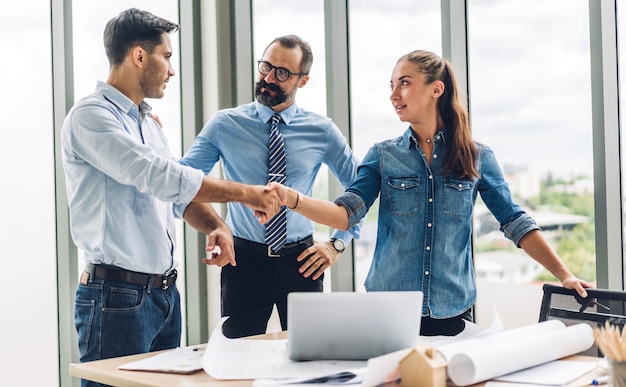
x=276 y=228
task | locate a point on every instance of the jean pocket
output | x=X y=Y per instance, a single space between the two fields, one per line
x=121 y=299
x=84 y=313
x=404 y=195
x=457 y=197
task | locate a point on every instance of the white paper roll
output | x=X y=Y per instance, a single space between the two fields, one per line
x=450 y=349
x=496 y=358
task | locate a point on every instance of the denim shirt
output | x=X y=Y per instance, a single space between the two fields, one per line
x=425 y=220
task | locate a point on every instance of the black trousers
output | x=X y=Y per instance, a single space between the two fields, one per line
x=447 y=326
x=250 y=289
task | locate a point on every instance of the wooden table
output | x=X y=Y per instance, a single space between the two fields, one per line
x=107 y=372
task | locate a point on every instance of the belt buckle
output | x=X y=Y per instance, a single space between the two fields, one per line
x=165 y=278
x=271 y=254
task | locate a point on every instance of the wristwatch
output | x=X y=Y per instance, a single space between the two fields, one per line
x=338 y=244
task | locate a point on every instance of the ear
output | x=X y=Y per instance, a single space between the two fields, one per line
x=138 y=56
x=303 y=81
x=438 y=89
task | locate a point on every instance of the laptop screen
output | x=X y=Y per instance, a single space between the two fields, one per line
x=352 y=326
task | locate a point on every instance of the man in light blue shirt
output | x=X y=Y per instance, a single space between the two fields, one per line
x=124 y=190
x=239 y=137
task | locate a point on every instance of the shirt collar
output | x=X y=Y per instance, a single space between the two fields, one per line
x=266 y=112
x=120 y=100
x=409 y=139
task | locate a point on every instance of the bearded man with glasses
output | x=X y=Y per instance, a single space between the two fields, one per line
x=264 y=273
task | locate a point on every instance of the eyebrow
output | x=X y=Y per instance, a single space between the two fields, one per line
x=401 y=78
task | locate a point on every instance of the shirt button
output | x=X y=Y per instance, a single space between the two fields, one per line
x=460 y=185
x=428 y=248
x=430 y=224
x=430 y=177
x=402 y=185
x=434 y=156
x=427 y=272
x=430 y=200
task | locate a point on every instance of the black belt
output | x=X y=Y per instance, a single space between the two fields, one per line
x=132 y=277
x=263 y=249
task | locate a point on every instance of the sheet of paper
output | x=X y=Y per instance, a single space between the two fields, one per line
x=180 y=360
x=555 y=373
x=351 y=378
x=229 y=359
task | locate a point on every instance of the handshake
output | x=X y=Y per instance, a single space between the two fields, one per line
x=267 y=200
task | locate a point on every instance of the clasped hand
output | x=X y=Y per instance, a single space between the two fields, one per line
x=272 y=191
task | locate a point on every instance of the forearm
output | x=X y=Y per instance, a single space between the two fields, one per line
x=535 y=245
x=319 y=211
x=221 y=191
x=203 y=217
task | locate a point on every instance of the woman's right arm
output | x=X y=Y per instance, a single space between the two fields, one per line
x=319 y=211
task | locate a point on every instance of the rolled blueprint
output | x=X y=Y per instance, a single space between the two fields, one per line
x=450 y=349
x=482 y=359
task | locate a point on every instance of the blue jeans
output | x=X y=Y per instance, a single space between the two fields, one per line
x=118 y=319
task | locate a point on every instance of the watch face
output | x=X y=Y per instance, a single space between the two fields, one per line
x=339 y=245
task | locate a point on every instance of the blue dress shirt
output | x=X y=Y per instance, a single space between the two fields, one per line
x=425 y=222
x=239 y=137
x=122 y=183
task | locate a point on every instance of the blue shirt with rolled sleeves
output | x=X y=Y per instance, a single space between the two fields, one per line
x=124 y=188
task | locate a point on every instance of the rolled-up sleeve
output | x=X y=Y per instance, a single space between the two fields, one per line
x=354 y=205
x=191 y=182
x=521 y=226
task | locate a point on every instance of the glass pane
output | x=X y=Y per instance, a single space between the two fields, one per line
x=621 y=54
x=303 y=18
x=379 y=35
x=530 y=101
x=28 y=228
x=91 y=65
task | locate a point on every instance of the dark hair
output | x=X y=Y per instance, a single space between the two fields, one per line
x=134 y=27
x=462 y=154
x=293 y=41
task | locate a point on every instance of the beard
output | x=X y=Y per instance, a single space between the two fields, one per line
x=152 y=81
x=264 y=97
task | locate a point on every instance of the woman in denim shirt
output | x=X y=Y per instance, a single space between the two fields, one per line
x=428 y=180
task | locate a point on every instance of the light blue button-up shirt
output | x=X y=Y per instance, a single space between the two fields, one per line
x=239 y=137
x=425 y=222
x=122 y=183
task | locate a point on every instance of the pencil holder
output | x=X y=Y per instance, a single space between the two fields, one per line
x=617 y=373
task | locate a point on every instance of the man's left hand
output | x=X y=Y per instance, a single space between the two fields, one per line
x=317 y=258
x=221 y=248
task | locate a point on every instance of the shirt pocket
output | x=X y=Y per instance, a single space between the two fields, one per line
x=457 y=197
x=404 y=195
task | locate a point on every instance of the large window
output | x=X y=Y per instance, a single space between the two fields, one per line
x=27 y=230
x=303 y=18
x=530 y=100
x=91 y=65
x=379 y=35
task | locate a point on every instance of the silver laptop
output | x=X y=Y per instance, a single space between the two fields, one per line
x=352 y=326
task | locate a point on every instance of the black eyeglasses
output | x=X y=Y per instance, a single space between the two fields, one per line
x=281 y=73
